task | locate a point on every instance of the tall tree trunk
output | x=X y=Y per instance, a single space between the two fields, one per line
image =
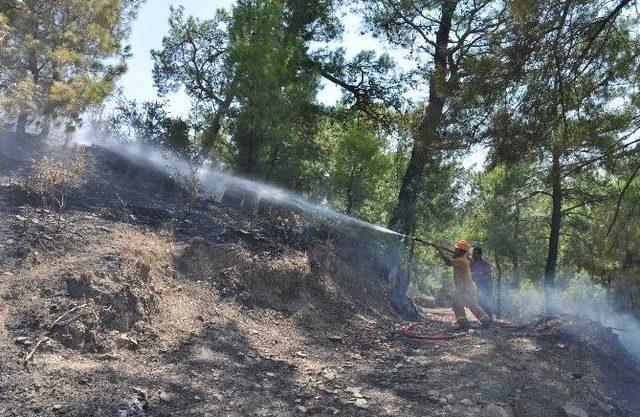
x=46 y=128
x=516 y=237
x=250 y=165
x=499 y=295
x=515 y=260
x=349 y=194
x=403 y=216
x=216 y=123
x=554 y=234
x=21 y=125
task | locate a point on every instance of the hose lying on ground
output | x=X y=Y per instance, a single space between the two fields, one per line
x=409 y=331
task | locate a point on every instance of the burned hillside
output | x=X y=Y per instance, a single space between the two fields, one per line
x=124 y=295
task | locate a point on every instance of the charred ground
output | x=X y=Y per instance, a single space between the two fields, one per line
x=135 y=299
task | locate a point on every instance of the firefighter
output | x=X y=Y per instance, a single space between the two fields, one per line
x=482 y=276
x=465 y=289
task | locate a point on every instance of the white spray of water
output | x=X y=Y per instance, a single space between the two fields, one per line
x=528 y=301
x=216 y=182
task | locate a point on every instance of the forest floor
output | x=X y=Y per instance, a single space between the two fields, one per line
x=124 y=304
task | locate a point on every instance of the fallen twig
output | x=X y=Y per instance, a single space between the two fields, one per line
x=56 y=321
x=33 y=351
x=26 y=360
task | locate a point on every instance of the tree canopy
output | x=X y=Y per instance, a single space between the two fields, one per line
x=59 y=57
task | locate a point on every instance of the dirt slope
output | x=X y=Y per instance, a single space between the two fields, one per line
x=140 y=308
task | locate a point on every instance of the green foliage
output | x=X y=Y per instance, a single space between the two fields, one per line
x=360 y=169
x=150 y=123
x=275 y=100
x=508 y=211
x=60 y=56
x=193 y=56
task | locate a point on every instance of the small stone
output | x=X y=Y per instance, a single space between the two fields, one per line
x=355 y=391
x=20 y=340
x=271 y=374
x=302 y=409
x=336 y=339
x=466 y=402
x=433 y=393
x=573 y=410
x=140 y=392
x=126 y=341
x=166 y=397
x=329 y=375
x=442 y=400
x=362 y=403
x=57 y=408
x=497 y=410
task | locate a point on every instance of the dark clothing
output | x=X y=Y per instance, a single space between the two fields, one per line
x=481 y=272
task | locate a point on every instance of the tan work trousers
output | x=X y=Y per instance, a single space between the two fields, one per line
x=465 y=296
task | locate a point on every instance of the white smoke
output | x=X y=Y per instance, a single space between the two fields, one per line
x=577 y=296
x=216 y=181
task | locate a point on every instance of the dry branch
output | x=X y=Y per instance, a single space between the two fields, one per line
x=26 y=360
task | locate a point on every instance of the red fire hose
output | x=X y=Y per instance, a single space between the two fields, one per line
x=409 y=332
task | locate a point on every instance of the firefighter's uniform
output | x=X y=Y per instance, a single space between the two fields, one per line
x=465 y=292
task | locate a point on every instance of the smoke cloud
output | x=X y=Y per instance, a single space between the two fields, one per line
x=579 y=297
x=216 y=182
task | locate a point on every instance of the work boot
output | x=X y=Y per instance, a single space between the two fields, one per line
x=486 y=323
x=463 y=324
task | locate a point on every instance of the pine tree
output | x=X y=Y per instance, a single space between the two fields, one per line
x=55 y=57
